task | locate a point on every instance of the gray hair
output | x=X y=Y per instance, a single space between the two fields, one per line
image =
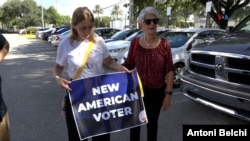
x=145 y=11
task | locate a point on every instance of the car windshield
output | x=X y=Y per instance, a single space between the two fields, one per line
x=140 y=33
x=66 y=32
x=177 y=39
x=119 y=34
x=134 y=35
x=244 y=26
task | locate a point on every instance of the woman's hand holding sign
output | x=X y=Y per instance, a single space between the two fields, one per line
x=63 y=83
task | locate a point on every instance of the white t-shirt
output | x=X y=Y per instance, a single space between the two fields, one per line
x=71 y=55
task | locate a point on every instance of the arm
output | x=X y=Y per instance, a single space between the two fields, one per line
x=130 y=60
x=63 y=83
x=4 y=46
x=109 y=62
x=169 y=78
x=169 y=81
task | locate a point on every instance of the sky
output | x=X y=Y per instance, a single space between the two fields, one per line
x=66 y=7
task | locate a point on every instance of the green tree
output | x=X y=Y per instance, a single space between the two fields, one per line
x=104 y=21
x=181 y=9
x=98 y=10
x=26 y=13
x=29 y=11
x=10 y=8
x=52 y=16
x=116 y=11
x=19 y=13
x=65 y=20
x=222 y=10
x=241 y=13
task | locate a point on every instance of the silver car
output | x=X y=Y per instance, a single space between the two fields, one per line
x=182 y=40
x=55 y=39
x=119 y=49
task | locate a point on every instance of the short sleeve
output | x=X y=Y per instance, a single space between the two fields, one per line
x=169 y=60
x=130 y=60
x=61 y=52
x=105 y=52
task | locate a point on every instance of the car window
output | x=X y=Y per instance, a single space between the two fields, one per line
x=140 y=33
x=177 y=39
x=106 y=33
x=218 y=34
x=111 y=32
x=161 y=32
x=204 y=35
x=243 y=26
x=60 y=30
x=134 y=35
x=120 y=34
x=209 y=36
x=66 y=32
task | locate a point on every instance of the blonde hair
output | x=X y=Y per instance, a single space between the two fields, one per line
x=80 y=14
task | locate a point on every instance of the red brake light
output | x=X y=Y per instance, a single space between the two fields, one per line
x=57 y=37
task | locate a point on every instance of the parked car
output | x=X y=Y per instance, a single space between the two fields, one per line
x=58 y=31
x=22 y=31
x=2 y=30
x=218 y=74
x=10 y=30
x=45 y=35
x=39 y=32
x=105 y=32
x=181 y=41
x=121 y=35
x=55 y=39
x=118 y=49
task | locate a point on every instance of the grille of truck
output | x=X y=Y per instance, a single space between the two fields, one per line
x=222 y=66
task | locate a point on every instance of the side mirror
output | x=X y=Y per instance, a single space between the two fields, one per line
x=190 y=45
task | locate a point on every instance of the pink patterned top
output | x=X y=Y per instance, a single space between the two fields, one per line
x=152 y=64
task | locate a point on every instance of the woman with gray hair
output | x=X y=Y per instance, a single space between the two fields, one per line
x=151 y=56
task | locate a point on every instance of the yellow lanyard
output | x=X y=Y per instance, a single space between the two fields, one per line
x=84 y=62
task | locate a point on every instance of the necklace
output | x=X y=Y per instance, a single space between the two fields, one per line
x=148 y=44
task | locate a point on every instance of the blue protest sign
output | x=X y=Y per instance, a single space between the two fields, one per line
x=107 y=103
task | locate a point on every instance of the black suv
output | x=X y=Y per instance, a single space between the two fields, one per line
x=218 y=73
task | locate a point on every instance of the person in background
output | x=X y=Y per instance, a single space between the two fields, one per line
x=151 y=56
x=70 y=54
x=4 y=118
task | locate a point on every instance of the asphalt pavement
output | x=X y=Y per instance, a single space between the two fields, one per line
x=33 y=99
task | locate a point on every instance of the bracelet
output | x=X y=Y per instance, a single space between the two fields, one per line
x=168 y=92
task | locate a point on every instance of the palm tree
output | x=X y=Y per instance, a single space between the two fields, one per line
x=98 y=10
x=116 y=11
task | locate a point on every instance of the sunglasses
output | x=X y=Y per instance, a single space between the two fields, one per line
x=148 y=21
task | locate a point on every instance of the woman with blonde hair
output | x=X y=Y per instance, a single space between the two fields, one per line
x=70 y=54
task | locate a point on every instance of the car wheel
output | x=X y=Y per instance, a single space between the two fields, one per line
x=177 y=72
